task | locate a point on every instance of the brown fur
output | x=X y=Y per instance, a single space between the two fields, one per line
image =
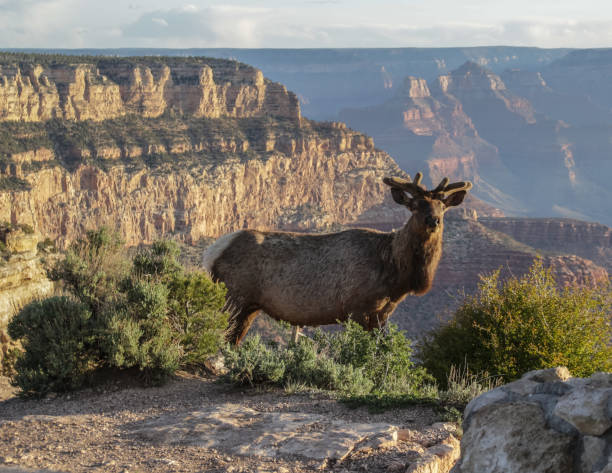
x=316 y=279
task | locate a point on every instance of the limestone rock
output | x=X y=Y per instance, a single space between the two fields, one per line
x=244 y=431
x=513 y=437
x=560 y=373
x=21 y=280
x=484 y=400
x=544 y=422
x=106 y=89
x=21 y=242
x=608 y=466
x=593 y=449
x=439 y=458
x=586 y=409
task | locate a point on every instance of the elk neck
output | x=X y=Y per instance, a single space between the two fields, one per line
x=416 y=252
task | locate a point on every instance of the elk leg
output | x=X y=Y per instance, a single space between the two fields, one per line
x=239 y=325
x=379 y=319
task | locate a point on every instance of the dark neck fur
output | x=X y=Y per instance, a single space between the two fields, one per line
x=416 y=253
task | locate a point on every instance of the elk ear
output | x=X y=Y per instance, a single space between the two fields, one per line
x=400 y=196
x=454 y=199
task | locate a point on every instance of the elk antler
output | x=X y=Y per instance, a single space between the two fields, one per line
x=413 y=187
x=443 y=190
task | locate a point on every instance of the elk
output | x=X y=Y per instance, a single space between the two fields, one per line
x=317 y=279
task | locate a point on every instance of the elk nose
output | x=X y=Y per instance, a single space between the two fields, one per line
x=432 y=221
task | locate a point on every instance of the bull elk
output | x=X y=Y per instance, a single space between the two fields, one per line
x=316 y=279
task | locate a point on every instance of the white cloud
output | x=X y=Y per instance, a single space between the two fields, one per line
x=159 y=21
x=189 y=26
x=303 y=23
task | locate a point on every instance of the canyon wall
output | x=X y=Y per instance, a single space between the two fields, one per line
x=586 y=239
x=22 y=272
x=32 y=92
x=188 y=148
x=531 y=150
x=309 y=189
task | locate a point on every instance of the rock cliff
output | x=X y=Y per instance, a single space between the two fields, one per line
x=61 y=87
x=22 y=274
x=155 y=147
x=586 y=239
x=469 y=123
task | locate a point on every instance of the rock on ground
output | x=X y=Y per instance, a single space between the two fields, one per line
x=546 y=422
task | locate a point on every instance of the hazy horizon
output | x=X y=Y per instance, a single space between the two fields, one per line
x=303 y=24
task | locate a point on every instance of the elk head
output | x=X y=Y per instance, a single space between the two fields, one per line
x=427 y=206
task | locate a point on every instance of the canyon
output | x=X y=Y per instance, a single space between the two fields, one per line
x=192 y=148
x=527 y=148
x=328 y=80
x=214 y=148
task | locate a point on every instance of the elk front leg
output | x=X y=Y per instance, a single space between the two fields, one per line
x=239 y=325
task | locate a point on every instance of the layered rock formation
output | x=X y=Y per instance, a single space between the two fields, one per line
x=546 y=421
x=586 y=239
x=187 y=147
x=60 y=88
x=470 y=124
x=22 y=275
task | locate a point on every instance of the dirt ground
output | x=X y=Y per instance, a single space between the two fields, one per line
x=90 y=430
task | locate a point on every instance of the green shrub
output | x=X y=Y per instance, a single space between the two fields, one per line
x=60 y=345
x=255 y=362
x=47 y=245
x=353 y=362
x=92 y=268
x=13 y=183
x=154 y=316
x=142 y=344
x=193 y=303
x=196 y=316
x=160 y=261
x=5 y=253
x=27 y=229
x=385 y=355
x=309 y=364
x=527 y=323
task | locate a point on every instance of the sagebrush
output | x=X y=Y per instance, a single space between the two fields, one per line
x=354 y=362
x=524 y=324
x=148 y=313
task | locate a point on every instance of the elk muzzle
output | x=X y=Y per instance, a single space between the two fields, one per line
x=432 y=222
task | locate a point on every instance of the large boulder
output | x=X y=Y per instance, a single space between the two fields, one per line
x=546 y=422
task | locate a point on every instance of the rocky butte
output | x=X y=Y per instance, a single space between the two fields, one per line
x=175 y=146
x=531 y=148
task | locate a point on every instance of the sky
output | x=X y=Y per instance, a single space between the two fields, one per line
x=304 y=23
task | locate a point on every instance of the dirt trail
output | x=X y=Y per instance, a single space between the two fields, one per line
x=97 y=430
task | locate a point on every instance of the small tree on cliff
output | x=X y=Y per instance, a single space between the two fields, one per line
x=524 y=324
